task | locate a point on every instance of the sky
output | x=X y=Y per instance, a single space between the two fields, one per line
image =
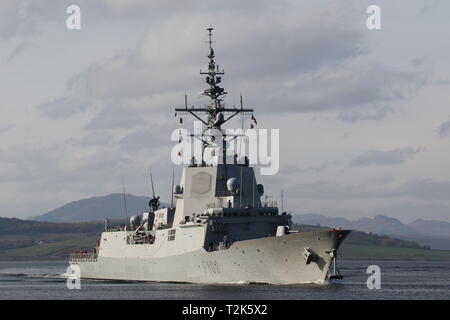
x=363 y=114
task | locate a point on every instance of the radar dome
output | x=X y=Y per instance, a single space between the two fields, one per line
x=177 y=189
x=232 y=184
x=135 y=220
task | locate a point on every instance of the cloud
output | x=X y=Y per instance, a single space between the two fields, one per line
x=127 y=6
x=383 y=188
x=24 y=18
x=18 y=50
x=374 y=113
x=429 y=7
x=426 y=189
x=301 y=42
x=356 y=91
x=292 y=60
x=148 y=138
x=444 y=129
x=97 y=138
x=311 y=64
x=5 y=127
x=385 y=158
x=15 y=19
x=113 y=117
x=63 y=107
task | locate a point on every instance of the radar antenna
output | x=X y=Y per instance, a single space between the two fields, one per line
x=125 y=204
x=154 y=202
x=215 y=111
x=213 y=79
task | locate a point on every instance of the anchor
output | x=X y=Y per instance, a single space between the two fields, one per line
x=334 y=274
x=308 y=255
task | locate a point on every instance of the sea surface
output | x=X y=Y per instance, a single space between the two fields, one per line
x=399 y=280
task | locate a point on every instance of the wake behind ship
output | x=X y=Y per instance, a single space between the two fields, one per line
x=219 y=231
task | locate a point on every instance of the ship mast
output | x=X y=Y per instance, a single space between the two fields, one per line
x=216 y=113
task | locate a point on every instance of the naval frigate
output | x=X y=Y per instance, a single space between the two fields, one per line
x=219 y=230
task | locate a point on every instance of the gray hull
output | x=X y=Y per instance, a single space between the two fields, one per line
x=277 y=260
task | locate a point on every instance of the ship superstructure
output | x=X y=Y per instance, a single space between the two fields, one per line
x=219 y=230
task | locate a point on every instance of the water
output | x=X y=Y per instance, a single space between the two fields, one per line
x=399 y=280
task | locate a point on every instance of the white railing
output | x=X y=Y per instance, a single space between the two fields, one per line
x=83 y=257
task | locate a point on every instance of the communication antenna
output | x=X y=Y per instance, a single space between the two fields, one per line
x=215 y=114
x=171 y=192
x=282 y=202
x=241 y=189
x=154 y=202
x=253 y=192
x=151 y=180
x=125 y=204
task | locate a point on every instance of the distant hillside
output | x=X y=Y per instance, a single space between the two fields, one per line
x=379 y=224
x=437 y=228
x=13 y=226
x=36 y=240
x=363 y=238
x=435 y=234
x=97 y=208
x=17 y=233
x=352 y=251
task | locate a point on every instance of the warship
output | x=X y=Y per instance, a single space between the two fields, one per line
x=219 y=230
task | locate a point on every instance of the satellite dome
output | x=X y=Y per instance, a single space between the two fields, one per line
x=177 y=189
x=232 y=184
x=135 y=220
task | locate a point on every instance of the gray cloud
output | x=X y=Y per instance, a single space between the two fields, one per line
x=153 y=137
x=429 y=7
x=5 y=127
x=301 y=41
x=356 y=91
x=64 y=106
x=385 y=158
x=24 y=18
x=311 y=169
x=444 y=129
x=18 y=50
x=418 y=62
x=375 y=113
x=316 y=68
x=15 y=19
x=113 y=118
x=293 y=61
x=426 y=189
x=97 y=138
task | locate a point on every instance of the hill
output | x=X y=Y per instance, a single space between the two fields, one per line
x=370 y=239
x=17 y=233
x=435 y=234
x=97 y=208
x=353 y=251
x=437 y=228
x=37 y=240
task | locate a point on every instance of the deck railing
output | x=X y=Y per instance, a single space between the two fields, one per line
x=83 y=257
